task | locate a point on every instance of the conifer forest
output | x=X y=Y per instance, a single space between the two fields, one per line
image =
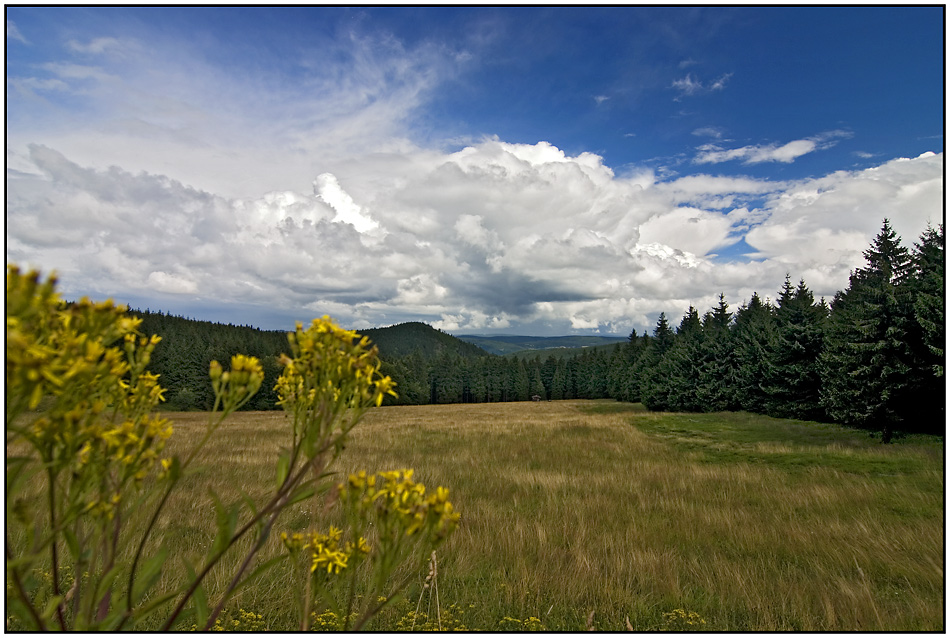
x=872 y=357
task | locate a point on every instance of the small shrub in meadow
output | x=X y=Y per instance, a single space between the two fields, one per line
x=79 y=469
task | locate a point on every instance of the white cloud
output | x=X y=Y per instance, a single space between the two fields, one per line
x=495 y=235
x=97 y=46
x=165 y=282
x=165 y=108
x=825 y=224
x=688 y=85
x=708 y=131
x=328 y=189
x=785 y=153
x=309 y=196
x=13 y=33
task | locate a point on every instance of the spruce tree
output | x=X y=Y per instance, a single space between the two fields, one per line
x=927 y=330
x=652 y=392
x=679 y=367
x=559 y=382
x=792 y=376
x=868 y=362
x=754 y=330
x=631 y=374
x=715 y=383
x=653 y=386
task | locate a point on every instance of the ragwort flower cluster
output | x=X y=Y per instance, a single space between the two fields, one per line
x=328 y=383
x=326 y=553
x=87 y=361
x=399 y=507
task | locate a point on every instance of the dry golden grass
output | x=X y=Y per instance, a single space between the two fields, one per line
x=572 y=507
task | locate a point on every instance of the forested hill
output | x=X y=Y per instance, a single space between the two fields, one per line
x=405 y=339
x=509 y=344
x=188 y=346
x=874 y=357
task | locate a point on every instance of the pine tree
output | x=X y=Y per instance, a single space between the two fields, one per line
x=754 y=330
x=522 y=385
x=792 y=376
x=678 y=368
x=652 y=392
x=715 y=387
x=868 y=361
x=927 y=331
x=534 y=376
x=559 y=382
x=547 y=370
x=631 y=372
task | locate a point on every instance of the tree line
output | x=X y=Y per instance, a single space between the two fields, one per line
x=872 y=357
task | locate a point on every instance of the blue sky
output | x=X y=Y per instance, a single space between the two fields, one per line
x=519 y=170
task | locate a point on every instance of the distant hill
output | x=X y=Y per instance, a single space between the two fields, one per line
x=510 y=344
x=405 y=338
x=562 y=353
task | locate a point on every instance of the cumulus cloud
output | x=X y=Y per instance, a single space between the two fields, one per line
x=831 y=219
x=328 y=189
x=493 y=236
x=176 y=184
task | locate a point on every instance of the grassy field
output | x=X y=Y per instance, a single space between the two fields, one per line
x=574 y=507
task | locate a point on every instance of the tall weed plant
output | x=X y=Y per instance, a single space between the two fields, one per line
x=85 y=456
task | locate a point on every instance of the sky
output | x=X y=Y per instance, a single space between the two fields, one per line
x=516 y=170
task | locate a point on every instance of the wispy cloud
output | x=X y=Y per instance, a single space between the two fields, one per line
x=97 y=46
x=13 y=33
x=756 y=154
x=689 y=86
x=709 y=131
x=165 y=108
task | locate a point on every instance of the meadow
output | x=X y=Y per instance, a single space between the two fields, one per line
x=600 y=514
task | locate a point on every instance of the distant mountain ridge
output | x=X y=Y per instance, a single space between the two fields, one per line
x=509 y=344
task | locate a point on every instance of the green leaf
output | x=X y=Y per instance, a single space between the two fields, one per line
x=105 y=583
x=308 y=444
x=227 y=518
x=199 y=598
x=15 y=608
x=149 y=574
x=174 y=470
x=251 y=506
x=142 y=612
x=283 y=467
x=51 y=607
x=71 y=542
x=303 y=492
